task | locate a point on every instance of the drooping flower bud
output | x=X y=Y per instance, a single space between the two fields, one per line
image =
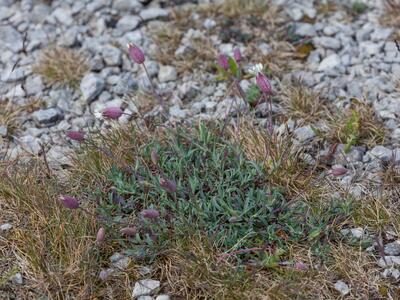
x=338 y=171
x=263 y=83
x=69 y=202
x=168 y=185
x=154 y=156
x=78 y=136
x=150 y=214
x=112 y=113
x=129 y=231
x=223 y=61
x=237 y=55
x=136 y=54
x=101 y=234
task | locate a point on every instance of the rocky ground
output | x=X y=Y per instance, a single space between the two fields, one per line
x=352 y=56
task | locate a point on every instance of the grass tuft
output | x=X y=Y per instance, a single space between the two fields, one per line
x=62 y=66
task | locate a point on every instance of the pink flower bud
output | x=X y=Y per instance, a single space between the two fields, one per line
x=112 y=113
x=129 y=231
x=338 y=171
x=237 y=55
x=300 y=266
x=223 y=61
x=101 y=234
x=136 y=54
x=78 y=136
x=263 y=83
x=168 y=185
x=150 y=214
x=69 y=202
x=154 y=156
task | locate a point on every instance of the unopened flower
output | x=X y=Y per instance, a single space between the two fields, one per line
x=112 y=113
x=150 y=214
x=263 y=83
x=69 y=202
x=136 y=54
x=300 y=266
x=129 y=231
x=78 y=136
x=168 y=185
x=101 y=234
x=154 y=156
x=338 y=171
x=237 y=55
x=223 y=61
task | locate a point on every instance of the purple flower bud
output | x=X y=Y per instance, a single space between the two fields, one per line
x=168 y=185
x=69 y=202
x=101 y=234
x=300 y=266
x=338 y=171
x=78 y=136
x=150 y=214
x=223 y=61
x=136 y=54
x=154 y=156
x=112 y=113
x=237 y=55
x=263 y=83
x=129 y=231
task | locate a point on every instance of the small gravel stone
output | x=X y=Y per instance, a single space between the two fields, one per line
x=128 y=23
x=304 y=134
x=47 y=116
x=392 y=249
x=17 y=279
x=163 y=297
x=5 y=227
x=91 y=86
x=112 y=55
x=153 y=13
x=145 y=287
x=167 y=73
x=389 y=261
x=342 y=287
x=329 y=63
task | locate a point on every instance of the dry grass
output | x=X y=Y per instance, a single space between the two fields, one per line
x=357 y=125
x=10 y=113
x=391 y=15
x=235 y=8
x=62 y=66
x=300 y=102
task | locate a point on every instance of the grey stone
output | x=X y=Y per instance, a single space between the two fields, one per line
x=391 y=272
x=381 y=34
x=11 y=39
x=34 y=85
x=91 y=86
x=122 y=264
x=371 y=48
x=381 y=152
x=304 y=133
x=176 y=112
x=112 y=55
x=389 y=261
x=5 y=227
x=125 y=85
x=145 y=287
x=145 y=298
x=153 y=13
x=329 y=63
x=5 y=13
x=305 y=29
x=330 y=30
x=392 y=248
x=167 y=73
x=327 y=42
x=128 y=23
x=3 y=131
x=342 y=287
x=126 y=5
x=30 y=144
x=47 y=116
x=59 y=157
x=17 y=279
x=163 y=297
x=10 y=75
x=63 y=15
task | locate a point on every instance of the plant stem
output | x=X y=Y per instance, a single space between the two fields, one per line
x=160 y=100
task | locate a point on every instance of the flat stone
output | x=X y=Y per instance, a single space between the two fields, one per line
x=34 y=85
x=163 y=297
x=3 y=131
x=11 y=38
x=327 y=42
x=145 y=287
x=30 y=144
x=17 y=279
x=392 y=248
x=112 y=56
x=176 y=112
x=389 y=261
x=6 y=227
x=63 y=15
x=128 y=23
x=329 y=63
x=304 y=134
x=127 y=5
x=9 y=75
x=153 y=13
x=167 y=73
x=145 y=298
x=305 y=29
x=91 y=86
x=47 y=116
x=342 y=287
